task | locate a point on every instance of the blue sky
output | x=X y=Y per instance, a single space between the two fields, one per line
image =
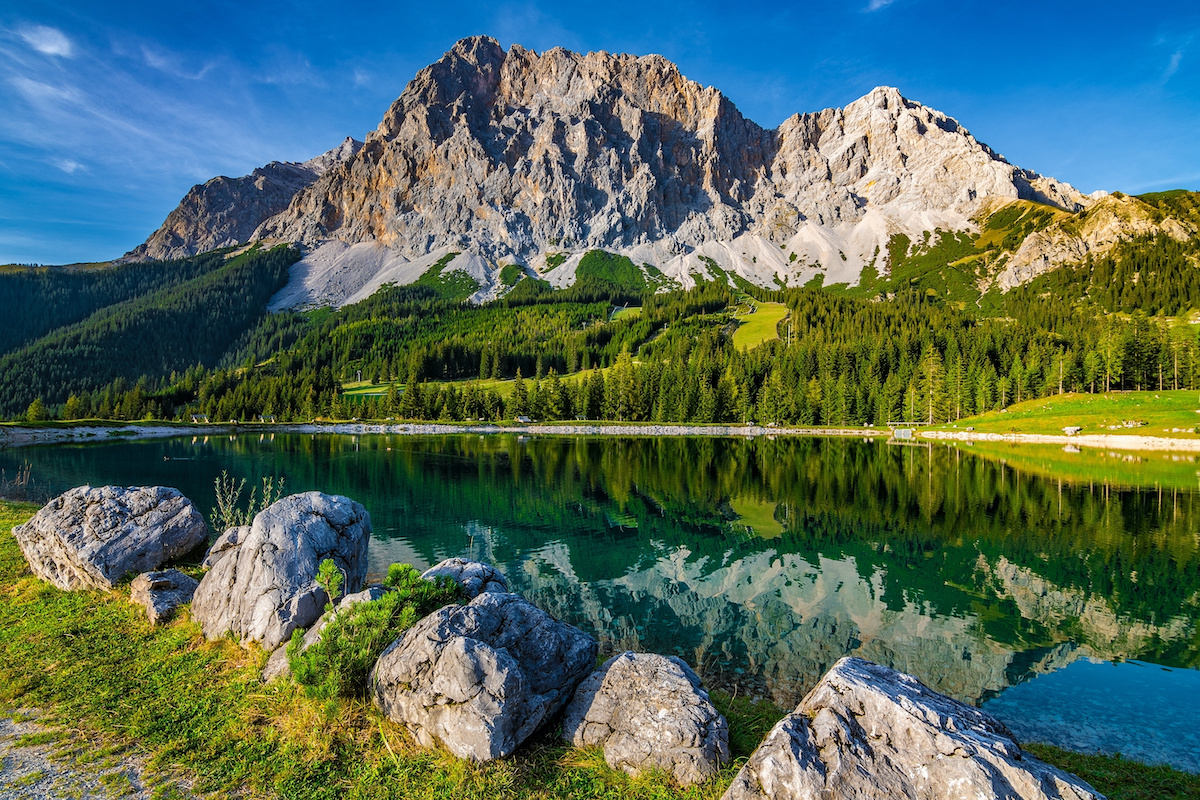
x=110 y=111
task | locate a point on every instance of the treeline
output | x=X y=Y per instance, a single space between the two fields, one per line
x=845 y=362
x=207 y=346
x=36 y=300
x=146 y=339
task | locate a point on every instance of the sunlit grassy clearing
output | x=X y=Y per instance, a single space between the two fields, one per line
x=759 y=326
x=1095 y=413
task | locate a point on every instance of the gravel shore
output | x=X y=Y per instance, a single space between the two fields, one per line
x=18 y=436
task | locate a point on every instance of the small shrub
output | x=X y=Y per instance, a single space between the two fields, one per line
x=338 y=664
x=329 y=578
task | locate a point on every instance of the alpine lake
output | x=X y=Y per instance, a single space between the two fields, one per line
x=1057 y=589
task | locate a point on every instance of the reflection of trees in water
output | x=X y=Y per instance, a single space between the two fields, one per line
x=969 y=572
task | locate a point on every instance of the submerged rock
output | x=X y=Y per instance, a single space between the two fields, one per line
x=474 y=577
x=265 y=587
x=646 y=711
x=866 y=730
x=162 y=593
x=481 y=678
x=92 y=537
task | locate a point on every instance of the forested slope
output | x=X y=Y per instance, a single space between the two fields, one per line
x=153 y=335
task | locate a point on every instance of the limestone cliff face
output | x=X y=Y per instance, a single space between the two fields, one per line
x=1107 y=222
x=226 y=211
x=515 y=154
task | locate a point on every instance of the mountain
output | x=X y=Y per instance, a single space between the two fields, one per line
x=226 y=211
x=491 y=158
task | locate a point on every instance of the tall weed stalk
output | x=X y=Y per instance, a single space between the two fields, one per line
x=228 y=513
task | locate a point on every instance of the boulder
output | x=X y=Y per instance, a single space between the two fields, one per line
x=278 y=665
x=225 y=543
x=481 y=678
x=265 y=587
x=646 y=710
x=474 y=577
x=866 y=730
x=161 y=593
x=92 y=537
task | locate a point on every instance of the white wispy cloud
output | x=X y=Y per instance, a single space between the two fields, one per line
x=875 y=5
x=1173 y=64
x=48 y=41
x=68 y=165
x=165 y=61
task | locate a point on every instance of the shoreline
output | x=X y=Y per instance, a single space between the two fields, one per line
x=19 y=436
x=1105 y=441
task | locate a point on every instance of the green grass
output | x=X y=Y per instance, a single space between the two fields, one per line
x=1095 y=466
x=453 y=285
x=1119 y=779
x=511 y=274
x=1096 y=413
x=760 y=326
x=630 y=312
x=92 y=662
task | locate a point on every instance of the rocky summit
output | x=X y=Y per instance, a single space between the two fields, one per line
x=492 y=157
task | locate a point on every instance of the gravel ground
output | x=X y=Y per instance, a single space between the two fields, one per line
x=41 y=762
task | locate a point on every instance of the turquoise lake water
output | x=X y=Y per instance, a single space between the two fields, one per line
x=762 y=562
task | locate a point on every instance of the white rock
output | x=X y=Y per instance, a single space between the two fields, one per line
x=647 y=710
x=868 y=731
x=481 y=678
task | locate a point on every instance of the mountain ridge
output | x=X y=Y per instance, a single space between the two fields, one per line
x=536 y=159
x=225 y=211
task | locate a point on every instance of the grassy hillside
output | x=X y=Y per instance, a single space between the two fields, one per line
x=759 y=323
x=1146 y=413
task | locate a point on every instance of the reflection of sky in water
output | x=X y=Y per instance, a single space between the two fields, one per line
x=1142 y=711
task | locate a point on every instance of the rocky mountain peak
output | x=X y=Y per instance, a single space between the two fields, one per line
x=226 y=211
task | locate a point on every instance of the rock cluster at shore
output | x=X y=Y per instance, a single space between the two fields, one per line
x=481 y=678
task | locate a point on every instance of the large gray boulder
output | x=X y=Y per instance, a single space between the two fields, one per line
x=474 y=577
x=866 y=730
x=645 y=710
x=92 y=537
x=481 y=678
x=278 y=665
x=162 y=592
x=264 y=587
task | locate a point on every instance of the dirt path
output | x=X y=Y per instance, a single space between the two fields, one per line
x=43 y=762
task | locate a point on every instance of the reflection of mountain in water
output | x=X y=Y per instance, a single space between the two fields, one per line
x=774 y=623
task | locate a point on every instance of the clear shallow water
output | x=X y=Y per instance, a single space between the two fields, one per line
x=762 y=562
x=1093 y=706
